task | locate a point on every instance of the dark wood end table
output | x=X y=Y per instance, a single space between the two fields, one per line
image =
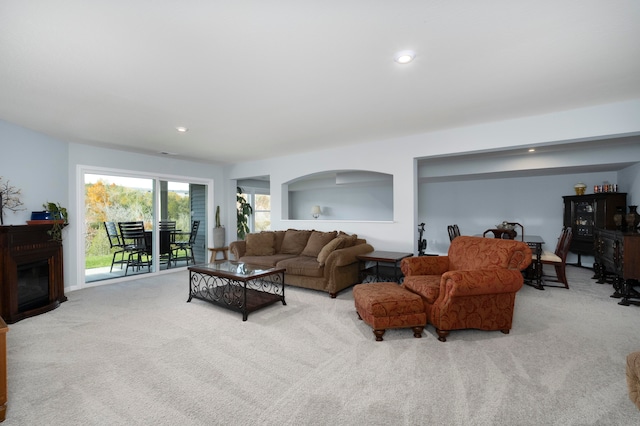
x=371 y=269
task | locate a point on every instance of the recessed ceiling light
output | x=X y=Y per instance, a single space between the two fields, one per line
x=181 y=129
x=405 y=56
x=532 y=150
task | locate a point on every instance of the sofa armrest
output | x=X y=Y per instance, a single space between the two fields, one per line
x=238 y=248
x=424 y=265
x=347 y=256
x=479 y=282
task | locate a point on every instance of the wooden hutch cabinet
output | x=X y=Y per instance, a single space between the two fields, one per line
x=585 y=213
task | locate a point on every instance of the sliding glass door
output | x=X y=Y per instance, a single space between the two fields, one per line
x=165 y=209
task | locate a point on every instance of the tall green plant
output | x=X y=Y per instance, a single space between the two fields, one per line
x=218 y=217
x=244 y=211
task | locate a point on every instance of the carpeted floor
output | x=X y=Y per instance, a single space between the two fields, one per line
x=136 y=353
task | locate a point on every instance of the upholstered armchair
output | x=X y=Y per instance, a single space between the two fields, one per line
x=474 y=286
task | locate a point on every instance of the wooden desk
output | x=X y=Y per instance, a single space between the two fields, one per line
x=214 y=253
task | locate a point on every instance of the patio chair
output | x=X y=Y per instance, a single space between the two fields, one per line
x=135 y=245
x=167 y=230
x=186 y=245
x=115 y=243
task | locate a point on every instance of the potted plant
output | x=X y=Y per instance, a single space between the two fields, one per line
x=59 y=218
x=244 y=211
x=218 y=231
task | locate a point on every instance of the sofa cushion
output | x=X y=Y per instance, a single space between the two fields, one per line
x=302 y=265
x=277 y=240
x=349 y=240
x=330 y=247
x=294 y=241
x=266 y=261
x=317 y=240
x=260 y=244
x=427 y=286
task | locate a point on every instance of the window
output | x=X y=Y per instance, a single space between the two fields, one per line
x=260 y=202
x=111 y=197
x=261 y=212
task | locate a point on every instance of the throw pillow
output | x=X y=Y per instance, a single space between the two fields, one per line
x=279 y=237
x=294 y=241
x=335 y=244
x=260 y=244
x=316 y=241
x=349 y=240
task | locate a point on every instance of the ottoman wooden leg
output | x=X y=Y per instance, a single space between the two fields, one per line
x=417 y=331
x=379 y=334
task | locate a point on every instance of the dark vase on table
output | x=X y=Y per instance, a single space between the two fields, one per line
x=618 y=217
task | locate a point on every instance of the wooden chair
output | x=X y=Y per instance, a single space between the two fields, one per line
x=115 y=243
x=559 y=258
x=453 y=231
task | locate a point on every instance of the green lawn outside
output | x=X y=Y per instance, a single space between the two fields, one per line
x=92 y=262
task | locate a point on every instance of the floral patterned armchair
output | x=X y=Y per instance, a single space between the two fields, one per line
x=474 y=286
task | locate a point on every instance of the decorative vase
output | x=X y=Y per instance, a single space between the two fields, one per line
x=617 y=217
x=633 y=219
x=218 y=237
x=579 y=188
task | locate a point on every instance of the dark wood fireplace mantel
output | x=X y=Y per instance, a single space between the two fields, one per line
x=31 y=272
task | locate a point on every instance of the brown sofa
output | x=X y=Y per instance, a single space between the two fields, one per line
x=324 y=261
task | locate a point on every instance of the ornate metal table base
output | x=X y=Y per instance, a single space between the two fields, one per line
x=244 y=292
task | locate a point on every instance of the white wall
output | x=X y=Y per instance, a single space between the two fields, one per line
x=398 y=157
x=339 y=202
x=36 y=165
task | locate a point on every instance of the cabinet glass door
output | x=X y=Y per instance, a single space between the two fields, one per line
x=585 y=222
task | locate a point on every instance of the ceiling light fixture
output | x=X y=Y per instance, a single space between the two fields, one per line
x=182 y=129
x=532 y=150
x=405 y=56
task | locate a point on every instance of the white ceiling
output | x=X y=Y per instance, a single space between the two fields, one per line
x=255 y=79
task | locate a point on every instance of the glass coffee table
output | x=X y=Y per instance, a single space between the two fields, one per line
x=237 y=286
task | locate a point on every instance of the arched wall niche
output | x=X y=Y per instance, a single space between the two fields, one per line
x=358 y=195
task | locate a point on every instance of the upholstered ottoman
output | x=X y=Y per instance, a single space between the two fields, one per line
x=387 y=305
x=633 y=377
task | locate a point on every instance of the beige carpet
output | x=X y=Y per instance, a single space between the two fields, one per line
x=137 y=354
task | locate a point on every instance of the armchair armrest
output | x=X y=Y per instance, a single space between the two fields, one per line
x=238 y=248
x=479 y=282
x=424 y=265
